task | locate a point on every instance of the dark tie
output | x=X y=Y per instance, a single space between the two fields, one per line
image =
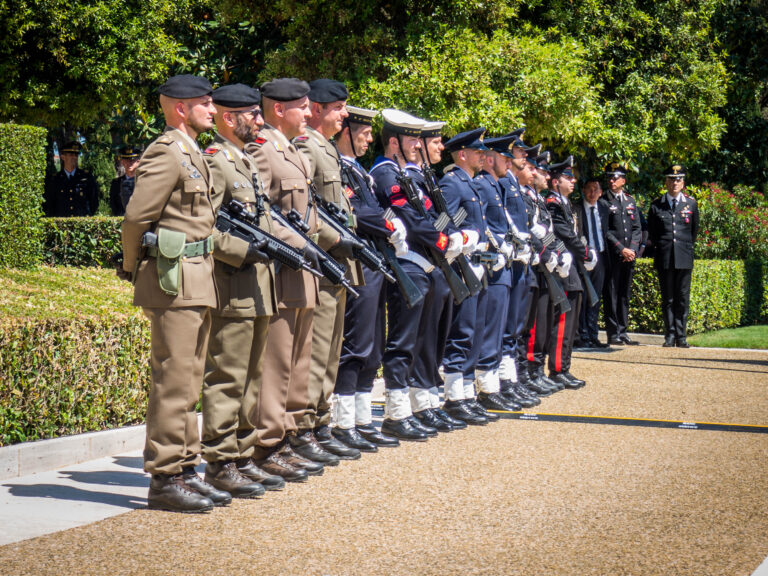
x=593 y=222
x=674 y=204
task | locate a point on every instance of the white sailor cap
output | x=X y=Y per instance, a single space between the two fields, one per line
x=401 y=122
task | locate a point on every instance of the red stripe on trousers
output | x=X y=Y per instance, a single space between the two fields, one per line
x=531 y=342
x=559 y=347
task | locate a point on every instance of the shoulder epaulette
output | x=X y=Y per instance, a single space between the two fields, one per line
x=552 y=199
x=259 y=142
x=164 y=139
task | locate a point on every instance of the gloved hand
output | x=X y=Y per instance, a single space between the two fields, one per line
x=507 y=249
x=478 y=270
x=538 y=230
x=455 y=245
x=254 y=254
x=523 y=255
x=399 y=233
x=345 y=247
x=312 y=256
x=472 y=239
x=590 y=264
x=551 y=264
x=401 y=249
x=535 y=259
x=564 y=267
x=500 y=262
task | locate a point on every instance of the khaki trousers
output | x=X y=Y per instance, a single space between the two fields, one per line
x=284 y=378
x=179 y=343
x=327 y=336
x=231 y=387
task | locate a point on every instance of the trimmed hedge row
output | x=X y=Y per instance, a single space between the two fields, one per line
x=81 y=241
x=724 y=294
x=22 y=180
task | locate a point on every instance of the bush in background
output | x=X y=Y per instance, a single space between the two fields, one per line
x=22 y=180
x=81 y=241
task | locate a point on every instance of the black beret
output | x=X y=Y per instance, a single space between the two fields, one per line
x=128 y=152
x=284 y=89
x=675 y=171
x=469 y=139
x=72 y=146
x=325 y=90
x=185 y=86
x=236 y=96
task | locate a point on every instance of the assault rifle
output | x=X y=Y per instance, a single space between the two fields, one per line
x=458 y=288
x=330 y=268
x=234 y=219
x=411 y=293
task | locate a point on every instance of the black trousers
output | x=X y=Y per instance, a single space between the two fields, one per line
x=438 y=315
x=675 y=285
x=618 y=288
x=537 y=334
x=563 y=332
x=589 y=315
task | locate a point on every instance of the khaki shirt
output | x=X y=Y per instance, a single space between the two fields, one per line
x=325 y=167
x=172 y=191
x=285 y=174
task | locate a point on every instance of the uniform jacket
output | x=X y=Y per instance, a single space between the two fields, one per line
x=115 y=199
x=459 y=191
x=564 y=227
x=362 y=197
x=623 y=229
x=582 y=214
x=75 y=196
x=172 y=191
x=326 y=175
x=244 y=291
x=285 y=174
x=490 y=194
x=673 y=235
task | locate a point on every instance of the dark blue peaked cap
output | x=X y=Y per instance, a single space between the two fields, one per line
x=502 y=144
x=468 y=139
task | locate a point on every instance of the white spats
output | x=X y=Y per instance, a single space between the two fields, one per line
x=345 y=412
x=487 y=381
x=434 y=397
x=454 y=386
x=398 y=404
x=469 y=389
x=508 y=369
x=419 y=399
x=363 y=409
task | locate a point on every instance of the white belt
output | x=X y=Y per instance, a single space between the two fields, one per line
x=419 y=260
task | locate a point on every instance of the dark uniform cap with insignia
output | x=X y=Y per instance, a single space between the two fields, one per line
x=542 y=160
x=401 y=122
x=517 y=132
x=325 y=90
x=285 y=89
x=361 y=115
x=675 y=171
x=236 y=96
x=185 y=86
x=469 y=139
x=502 y=144
x=616 y=169
x=72 y=147
x=532 y=151
x=564 y=168
x=128 y=152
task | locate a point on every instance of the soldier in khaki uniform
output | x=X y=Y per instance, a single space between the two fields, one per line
x=245 y=280
x=285 y=174
x=328 y=101
x=167 y=245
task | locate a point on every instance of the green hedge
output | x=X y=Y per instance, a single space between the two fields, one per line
x=81 y=241
x=724 y=294
x=74 y=353
x=22 y=181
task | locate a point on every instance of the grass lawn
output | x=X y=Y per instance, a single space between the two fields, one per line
x=746 y=337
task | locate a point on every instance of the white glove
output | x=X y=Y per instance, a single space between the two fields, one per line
x=523 y=255
x=507 y=249
x=455 y=244
x=590 y=264
x=565 y=264
x=551 y=264
x=539 y=231
x=478 y=270
x=535 y=259
x=399 y=233
x=500 y=262
x=401 y=249
x=472 y=239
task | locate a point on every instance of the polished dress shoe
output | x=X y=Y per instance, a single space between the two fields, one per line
x=309 y=466
x=554 y=384
x=170 y=492
x=218 y=497
x=372 y=434
x=578 y=383
x=225 y=476
x=615 y=341
x=403 y=430
x=562 y=379
x=305 y=445
x=682 y=343
x=669 y=342
x=276 y=465
x=445 y=417
x=428 y=418
x=628 y=341
x=329 y=442
x=428 y=430
x=352 y=438
x=512 y=394
x=473 y=405
x=249 y=469
x=539 y=387
x=495 y=401
x=598 y=344
x=458 y=410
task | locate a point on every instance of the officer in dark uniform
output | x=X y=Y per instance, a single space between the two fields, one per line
x=623 y=234
x=673 y=222
x=71 y=191
x=121 y=188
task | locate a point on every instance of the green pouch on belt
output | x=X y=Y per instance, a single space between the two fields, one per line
x=170 y=247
